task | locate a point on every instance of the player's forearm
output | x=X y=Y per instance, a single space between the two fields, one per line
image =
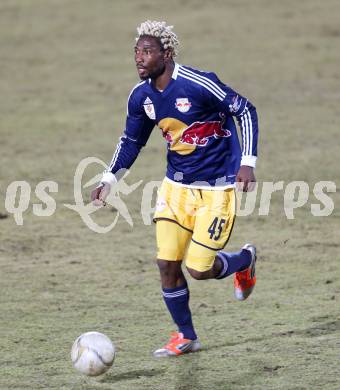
x=248 y=123
x=124 y=156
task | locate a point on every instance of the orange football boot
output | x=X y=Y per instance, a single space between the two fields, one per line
x=244 y=281
x=178 y=345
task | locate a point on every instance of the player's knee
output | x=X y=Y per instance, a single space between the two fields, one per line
x=198 y=275
x=168 y=268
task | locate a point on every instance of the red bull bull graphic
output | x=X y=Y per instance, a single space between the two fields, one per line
x=184 y=139
x=198 y=133
x=172 y=130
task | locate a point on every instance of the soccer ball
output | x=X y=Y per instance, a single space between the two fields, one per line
x=92 y=353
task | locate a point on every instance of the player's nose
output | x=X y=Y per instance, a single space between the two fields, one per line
x=138 y=59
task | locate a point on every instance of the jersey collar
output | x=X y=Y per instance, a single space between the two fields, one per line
x=175 y=72
x=170 y=85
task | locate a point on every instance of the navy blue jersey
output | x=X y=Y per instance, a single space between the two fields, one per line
x=195 y=115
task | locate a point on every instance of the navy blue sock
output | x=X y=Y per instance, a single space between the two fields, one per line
x=233 y=262
x=177 y=302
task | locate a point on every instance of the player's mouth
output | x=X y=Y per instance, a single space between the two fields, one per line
x=141 y=70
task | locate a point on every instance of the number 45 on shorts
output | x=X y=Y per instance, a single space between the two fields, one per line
x=216 y=228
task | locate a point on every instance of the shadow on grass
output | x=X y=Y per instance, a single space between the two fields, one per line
x=184 y=372
x=135 y=374
x=313 y=331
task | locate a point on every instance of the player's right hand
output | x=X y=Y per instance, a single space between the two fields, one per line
x=99 y=194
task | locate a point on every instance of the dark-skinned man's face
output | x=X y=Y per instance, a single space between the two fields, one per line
x=149 y=57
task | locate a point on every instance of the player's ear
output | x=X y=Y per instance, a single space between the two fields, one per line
x=168 y=54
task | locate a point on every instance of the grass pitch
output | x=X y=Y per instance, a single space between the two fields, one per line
x=66 y=71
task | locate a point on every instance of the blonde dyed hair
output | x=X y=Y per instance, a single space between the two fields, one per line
x=161 y=31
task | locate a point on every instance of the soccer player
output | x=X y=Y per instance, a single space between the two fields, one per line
x=195 y=210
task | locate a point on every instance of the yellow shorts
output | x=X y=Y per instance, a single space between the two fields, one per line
x=193 y=224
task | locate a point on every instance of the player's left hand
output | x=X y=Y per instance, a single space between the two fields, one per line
x=245 y=179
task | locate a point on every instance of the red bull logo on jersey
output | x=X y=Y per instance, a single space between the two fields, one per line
x=182 y=104
x=184 y=139
x=199 y=133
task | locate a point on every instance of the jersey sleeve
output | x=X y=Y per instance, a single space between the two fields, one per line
x=232 y=103
x=137 y=132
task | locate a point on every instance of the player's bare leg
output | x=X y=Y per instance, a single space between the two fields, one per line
x=171 y=273
x=212 y=273
x=241 y=264
x=176 y=297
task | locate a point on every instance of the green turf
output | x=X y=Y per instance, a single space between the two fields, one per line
x=66 y=68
